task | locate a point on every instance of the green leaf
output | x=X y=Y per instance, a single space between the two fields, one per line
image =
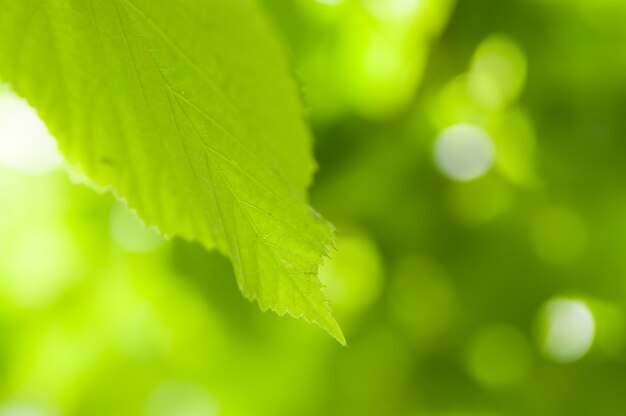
x=187 y=110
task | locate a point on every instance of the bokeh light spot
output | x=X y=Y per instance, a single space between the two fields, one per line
x=394 y=9
x=567 y=329
x=23 y=409
x=499 y=356
x=480 y=201
x=181 y=398
x=464 y=152
x=129 y=233
x=422 y=298
x=41 y=263
x=610 y=327
x=353 y=275
x=329 y=2
x=498 y=72
x=514 y=134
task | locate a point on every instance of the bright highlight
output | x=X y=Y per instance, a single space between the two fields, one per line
x=464 y=152
x=25 y=144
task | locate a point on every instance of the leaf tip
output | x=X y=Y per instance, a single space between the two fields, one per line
x=335 y=331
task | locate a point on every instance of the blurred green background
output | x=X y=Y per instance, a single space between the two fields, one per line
x=472 y=156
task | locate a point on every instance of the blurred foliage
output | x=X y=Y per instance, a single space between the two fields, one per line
x=472 y=158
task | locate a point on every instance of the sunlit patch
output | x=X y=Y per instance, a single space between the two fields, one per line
x=422 y=298
x=353 y=275
x=499 y=356
x=558 y=235
x=40 y=264
x=498 y=72
x=181 y=398
x=567 y=329
x=464 y=152
x=129 y=233
x=25 y=144
x=23 y=409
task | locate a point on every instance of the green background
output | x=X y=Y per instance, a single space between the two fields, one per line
x=499 y=294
